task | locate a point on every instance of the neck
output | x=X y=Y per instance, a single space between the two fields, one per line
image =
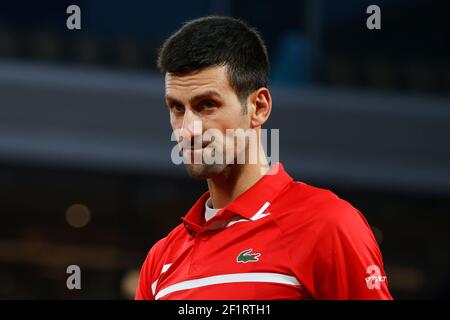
x=235 y=180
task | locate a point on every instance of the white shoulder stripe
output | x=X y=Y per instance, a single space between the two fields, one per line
x=229 y=278
x=260 y=213
x=164 y=269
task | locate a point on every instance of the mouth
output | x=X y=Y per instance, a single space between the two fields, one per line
x=193 y=148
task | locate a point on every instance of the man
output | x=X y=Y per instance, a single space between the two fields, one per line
x=256 y=234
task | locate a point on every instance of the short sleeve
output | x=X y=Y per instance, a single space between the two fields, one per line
x=334 y=253
x=144 y=288
x=348 y=263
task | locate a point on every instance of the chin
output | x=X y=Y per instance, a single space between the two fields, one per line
x=204 y=171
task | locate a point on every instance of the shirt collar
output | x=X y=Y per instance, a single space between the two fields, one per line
x=246 y=205
x=209 y=210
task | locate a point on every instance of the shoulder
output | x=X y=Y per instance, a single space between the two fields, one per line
x=318 y=221
x=302 y=204
x=154 y=260
x=154 y=255
x=161 y=245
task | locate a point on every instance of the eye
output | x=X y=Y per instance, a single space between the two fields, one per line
x=175 y=107
x=208 y=104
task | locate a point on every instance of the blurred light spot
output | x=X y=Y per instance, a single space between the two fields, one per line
x=378 y=234
x=405 y=278
x=78 y=215
x=129 y=283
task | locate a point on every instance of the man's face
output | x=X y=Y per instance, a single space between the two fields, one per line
x=201 y=101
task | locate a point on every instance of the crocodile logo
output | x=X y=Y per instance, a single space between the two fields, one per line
x=245 y=256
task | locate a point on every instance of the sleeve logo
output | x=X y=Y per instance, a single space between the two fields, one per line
x=374 y=280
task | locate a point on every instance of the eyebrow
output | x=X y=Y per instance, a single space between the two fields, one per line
x=200 y=96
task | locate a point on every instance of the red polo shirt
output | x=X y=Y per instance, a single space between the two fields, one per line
x=280 y=239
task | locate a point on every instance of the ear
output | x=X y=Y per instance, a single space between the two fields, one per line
x=261 y=103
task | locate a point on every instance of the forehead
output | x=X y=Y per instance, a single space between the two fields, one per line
x=185 y=85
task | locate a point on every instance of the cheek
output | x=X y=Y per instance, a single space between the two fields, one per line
x=174 y=122
x=232 y=118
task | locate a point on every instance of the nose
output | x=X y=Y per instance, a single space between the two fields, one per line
x=191 y=125
x=188 y=123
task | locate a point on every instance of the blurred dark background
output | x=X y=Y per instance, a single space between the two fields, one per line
x=85 y=170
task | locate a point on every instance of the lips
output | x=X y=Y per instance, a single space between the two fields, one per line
x=203 y=147
x=191 y=147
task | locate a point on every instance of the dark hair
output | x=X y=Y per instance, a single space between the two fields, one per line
x=216 y=41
